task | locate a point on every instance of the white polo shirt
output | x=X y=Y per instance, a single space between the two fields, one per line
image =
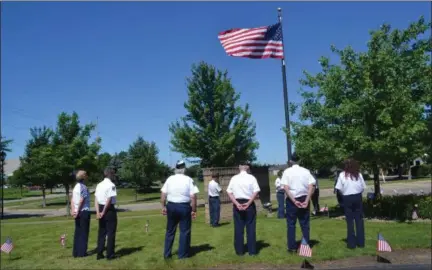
x=278 y=184
x=298 y=180
x=179 y=188
x=348 y=186
x=81 y=191
x=214 y=188
x=104 y=190
x=243 y=185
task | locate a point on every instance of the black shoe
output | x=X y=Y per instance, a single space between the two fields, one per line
x=112 y=257
x=100 y=257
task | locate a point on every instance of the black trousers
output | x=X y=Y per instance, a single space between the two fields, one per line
x=82 y=226
x=353 y=206
x=107 y=229
x=214 y=205
x=242 y=219
x=178 y=214
x=315 y=200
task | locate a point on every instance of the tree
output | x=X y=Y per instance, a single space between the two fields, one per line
x=116 y=163
x=371 y=106
x=102 y=161
x=5 y=144
x=72 y=147
x=39 y=164
x=142 y=165
x=215 y=128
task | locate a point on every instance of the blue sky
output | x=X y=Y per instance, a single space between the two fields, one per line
x=126 y=63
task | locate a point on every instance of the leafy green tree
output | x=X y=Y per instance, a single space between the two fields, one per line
x=102 y=161
x=215 y=129
x=116 y=163
x=370 y=106
x=142 y=165
x=5 y=144
x=39 y=163
x=19 y=179
x=72 y=146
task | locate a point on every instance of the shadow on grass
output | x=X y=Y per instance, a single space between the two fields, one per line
x=13 y=216
x=194 y=250
x=152 y=198
x=312 y=243
x=260 y=245
x=128 y=251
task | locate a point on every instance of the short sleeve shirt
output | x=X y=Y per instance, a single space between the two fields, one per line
x=81 y=191
x=298 y=180
x=213 y=189
x=179 y=188
x=104 y=190
x=348 y=186
x=243 y=186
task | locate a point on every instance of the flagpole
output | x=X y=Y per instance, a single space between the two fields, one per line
x=285 y=93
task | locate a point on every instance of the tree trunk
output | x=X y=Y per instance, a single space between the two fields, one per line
x=136 y=194
x=409 y=172
x=51 y=190
x=21 y=190
x=377 y=189
x=43 y=197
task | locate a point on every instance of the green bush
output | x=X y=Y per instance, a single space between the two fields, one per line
x=398 y=207
x=424 y=170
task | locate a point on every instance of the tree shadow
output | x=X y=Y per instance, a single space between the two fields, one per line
x=12 y=216
x=128 y=251
x=194 y=250
x=152 y=198
x=312 y=243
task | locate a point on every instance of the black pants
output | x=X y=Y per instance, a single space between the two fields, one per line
x=178 y=214
x=353 y=205
x=280 y=195
x=107 y=228
x=82 y=226
x=303 y=215
x=242 y=219
x=214 y=205
x=315 y=200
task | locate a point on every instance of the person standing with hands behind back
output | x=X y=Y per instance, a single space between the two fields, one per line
x=242 y=190
x=280 y=195
x=81 y=212
x=298 y=183
x=180 y=192
x=105 y=199
x=351 y=184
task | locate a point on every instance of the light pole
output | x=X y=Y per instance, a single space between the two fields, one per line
x=3 y=157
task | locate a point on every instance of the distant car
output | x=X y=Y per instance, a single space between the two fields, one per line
x=5 y=186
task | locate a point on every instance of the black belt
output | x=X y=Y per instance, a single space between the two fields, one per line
x=185 y=203
x=111 y=207
x=242 y=200
x=213 y=197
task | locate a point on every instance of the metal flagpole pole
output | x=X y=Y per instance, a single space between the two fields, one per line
x=285 y=93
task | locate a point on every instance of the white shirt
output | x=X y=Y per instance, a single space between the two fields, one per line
x=214 y=189
x=80 y=191
x=298 y=180
x=278 y=184
x=243 y=185
x=179 y=188
x=104 y=190
x=348 y=186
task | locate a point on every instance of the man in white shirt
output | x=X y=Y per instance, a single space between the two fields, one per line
x=178 y=199
x=298 y=183
x=105 y=199
x=280 y=195
x=214 y=201
x=242 y=190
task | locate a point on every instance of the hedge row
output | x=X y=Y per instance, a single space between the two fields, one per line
x=399 y=207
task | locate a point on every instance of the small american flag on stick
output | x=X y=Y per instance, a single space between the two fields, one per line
x=305 y=250
x=258 y=43
x=324 y=209
x=382 y=244
x=7 y=246
x=63 y=240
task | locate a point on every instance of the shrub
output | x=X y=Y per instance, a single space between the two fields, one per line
x=398 y=207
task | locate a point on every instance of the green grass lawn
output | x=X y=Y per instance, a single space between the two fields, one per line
x=37 y=246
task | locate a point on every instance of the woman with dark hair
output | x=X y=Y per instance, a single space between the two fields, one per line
x=351 y=184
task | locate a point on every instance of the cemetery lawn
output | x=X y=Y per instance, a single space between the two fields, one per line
x=37 y=244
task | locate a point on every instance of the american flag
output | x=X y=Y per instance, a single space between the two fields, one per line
x=382 y=244
x=7 y=246
x=260 y=42
x=305 y=250
x=324 y=209
x=63 y=240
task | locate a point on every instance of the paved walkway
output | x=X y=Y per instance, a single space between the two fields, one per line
x=388 y=188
